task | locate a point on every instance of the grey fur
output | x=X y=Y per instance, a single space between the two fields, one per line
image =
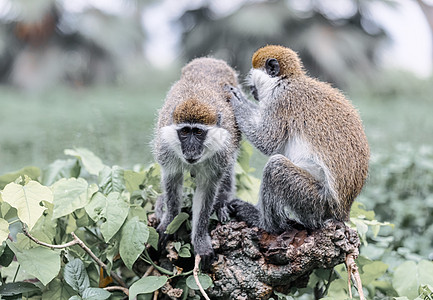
x=203 y=80
x=318 y=150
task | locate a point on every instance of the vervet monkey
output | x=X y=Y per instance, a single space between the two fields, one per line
x=197 y=133
x=315 y=139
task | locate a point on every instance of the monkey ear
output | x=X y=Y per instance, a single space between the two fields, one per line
x=272 y=67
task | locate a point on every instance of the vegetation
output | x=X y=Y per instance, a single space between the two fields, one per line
x=108 y=213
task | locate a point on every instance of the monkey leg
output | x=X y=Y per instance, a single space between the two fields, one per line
x=289 y=193
x=202 y=206
x=171 y=199
x=225 y=194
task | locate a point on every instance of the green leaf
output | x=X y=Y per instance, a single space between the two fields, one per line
x=76 y=276
x=281 y=296
x=70 y=195
x=45 y=228
x=96 y=206
x=112 y=209
x=176 y=223
x=58 y=290
x=41 y=262
x=358 y=211
x=133 y=180
x=75 y=297
x=146 y=285
x=373 y=271
x=185 y=251
x=134 y=234
x=409 y=276
x=17 y=288
x=90 y=161
x=153 y=238
x=204 y=280
x=4 y=230
x=111 y=180
x=32 y=172
x=115 y=212
x=95 y=294
x=60 y=169
x=6 y=258
x=27 y=200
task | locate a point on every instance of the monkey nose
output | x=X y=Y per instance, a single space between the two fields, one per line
x=191 y=160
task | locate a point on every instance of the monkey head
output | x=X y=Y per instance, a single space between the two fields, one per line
x=196 y=134
x=271 y=64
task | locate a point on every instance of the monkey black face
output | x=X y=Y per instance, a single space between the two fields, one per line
x=272 y=67
x=192 y=140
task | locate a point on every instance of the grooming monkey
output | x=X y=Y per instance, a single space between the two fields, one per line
x=315 y=139
x=197 y=133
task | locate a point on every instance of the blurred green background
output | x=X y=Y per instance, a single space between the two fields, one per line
x=94 y=73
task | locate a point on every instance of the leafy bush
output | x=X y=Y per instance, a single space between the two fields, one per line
x=400 y=189
x=108 y=212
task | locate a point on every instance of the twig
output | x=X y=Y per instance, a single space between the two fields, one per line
x=76 y=241
x=155 y=295
x=148 y=271
x=195 y=273
x=117 y=288
x=69 y=244
x=352 y=270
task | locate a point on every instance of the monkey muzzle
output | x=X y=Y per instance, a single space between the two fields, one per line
x=254 y=92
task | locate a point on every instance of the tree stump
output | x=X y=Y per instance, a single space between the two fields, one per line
x=252 y=263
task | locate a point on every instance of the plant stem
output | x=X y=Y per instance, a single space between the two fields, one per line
x=16 y=273
x=195 y=273
x=147 y=259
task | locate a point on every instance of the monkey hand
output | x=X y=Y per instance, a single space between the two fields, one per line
x=244 y=211
x=222 y=211
x=236 y=96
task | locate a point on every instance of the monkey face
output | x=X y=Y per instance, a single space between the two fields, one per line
x=272 y=68
x=192 y=142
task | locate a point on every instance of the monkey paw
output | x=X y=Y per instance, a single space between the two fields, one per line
x=207 y=260
x=236 y=95
x=244 y=211
x=222 y=212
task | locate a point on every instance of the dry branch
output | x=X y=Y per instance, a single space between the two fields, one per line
x=252 y=263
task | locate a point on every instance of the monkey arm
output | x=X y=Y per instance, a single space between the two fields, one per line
x=171 y=184
x=258 y=127
x=202 y=207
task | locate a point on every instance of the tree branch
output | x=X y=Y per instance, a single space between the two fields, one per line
x=76 y=241
x=252 y=263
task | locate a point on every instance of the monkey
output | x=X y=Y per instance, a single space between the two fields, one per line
x=318 y=151
x=197 y=133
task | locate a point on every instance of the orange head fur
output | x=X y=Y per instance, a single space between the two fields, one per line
x=289 y=62
x=194 y=111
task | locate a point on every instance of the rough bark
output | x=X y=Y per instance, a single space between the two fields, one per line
x=252 y=263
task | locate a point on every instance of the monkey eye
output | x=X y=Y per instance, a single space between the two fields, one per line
x=185 y=131
x=197 y=131
x=272 y=67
